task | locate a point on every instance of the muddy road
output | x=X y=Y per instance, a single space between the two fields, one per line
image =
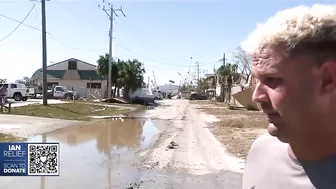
x=169 y=146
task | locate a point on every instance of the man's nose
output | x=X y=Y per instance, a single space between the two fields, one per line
x=259 y=94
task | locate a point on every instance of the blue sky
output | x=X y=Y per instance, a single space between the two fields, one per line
x=161 y=34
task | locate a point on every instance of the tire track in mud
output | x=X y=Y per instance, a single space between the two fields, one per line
x=171 y=132
x=188 y=166
x=184 y=123
x=205 y=153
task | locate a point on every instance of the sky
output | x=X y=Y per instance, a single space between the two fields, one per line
x=164 y=35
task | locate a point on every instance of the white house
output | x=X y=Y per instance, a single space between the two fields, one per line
x=73 y=74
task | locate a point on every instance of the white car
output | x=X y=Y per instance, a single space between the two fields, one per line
x=143 y=95
x=17 y=91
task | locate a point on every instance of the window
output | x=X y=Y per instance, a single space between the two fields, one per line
x=59 y=89
x=13 y=86
x=93 y=85
x=72 y=65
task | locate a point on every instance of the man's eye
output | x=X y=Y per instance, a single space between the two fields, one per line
x=272 y=82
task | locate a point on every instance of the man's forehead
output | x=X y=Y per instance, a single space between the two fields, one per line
x=267 y=62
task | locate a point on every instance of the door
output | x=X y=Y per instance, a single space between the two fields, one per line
x=59 y=92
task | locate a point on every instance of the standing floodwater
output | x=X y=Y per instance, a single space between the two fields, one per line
x=92 y=155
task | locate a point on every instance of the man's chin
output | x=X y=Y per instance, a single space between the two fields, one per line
x=274 y=131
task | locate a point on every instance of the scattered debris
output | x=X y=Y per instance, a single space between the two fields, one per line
x=150 y=105
x=134 y=185
x=172 y=145
x=112 y=100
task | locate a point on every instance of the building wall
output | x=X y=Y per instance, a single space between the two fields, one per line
x=80 y=86
x=64 y=66
x=234 y=90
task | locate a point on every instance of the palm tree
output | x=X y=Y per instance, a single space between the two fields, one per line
x=227 y=76
x=204 y=84
x=131 y=76
x=103 y=69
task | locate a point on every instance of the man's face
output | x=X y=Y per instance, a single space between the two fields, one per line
x=287 y=92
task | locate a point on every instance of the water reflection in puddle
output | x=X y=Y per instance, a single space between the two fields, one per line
x=93 y=155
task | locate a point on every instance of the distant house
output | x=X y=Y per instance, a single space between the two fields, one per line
x=73 y=74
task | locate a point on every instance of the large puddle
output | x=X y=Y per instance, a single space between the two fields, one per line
x=93 y=155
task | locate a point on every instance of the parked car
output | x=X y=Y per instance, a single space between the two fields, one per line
x=142 y=96
x=17 y=91
x=60 y=92
x=31 y=90
x=197 y=96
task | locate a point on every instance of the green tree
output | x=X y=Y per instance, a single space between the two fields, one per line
x=125 y=74
x=102 y=69
x=202 y=85
x=227 y=76
x=131 y=76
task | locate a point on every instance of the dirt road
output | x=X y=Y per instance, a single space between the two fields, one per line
x=200 y=159
x=137 y=153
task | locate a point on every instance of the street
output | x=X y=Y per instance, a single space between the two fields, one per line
x=137 y=152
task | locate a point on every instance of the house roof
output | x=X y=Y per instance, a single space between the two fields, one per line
x=89 y=74
x=59 y=74
x=51 y=74
x=67 y=60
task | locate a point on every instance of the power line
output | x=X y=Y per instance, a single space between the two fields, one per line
x=73 y=48
x=21 y=23
x=150 y=58
x=17 y=27
x=175 y=65
x=111 y=16
x=50 y=35
x=66 y=45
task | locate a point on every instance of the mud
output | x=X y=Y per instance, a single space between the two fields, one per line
x=169 y=146
x=94 y=155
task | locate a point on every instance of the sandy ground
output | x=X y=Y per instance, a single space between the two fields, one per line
x=199 y=160
x=235 y=129
x=199 y=154
x=27 y=126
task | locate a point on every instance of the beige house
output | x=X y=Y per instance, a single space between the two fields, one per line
x=74 y=74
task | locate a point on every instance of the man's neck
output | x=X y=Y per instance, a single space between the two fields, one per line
x=315 y=150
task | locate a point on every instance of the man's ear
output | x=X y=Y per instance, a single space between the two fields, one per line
x=328 y=77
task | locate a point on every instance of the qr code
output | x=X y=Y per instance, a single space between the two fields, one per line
x=43 y=159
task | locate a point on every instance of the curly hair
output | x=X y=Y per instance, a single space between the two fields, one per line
x=301 y=29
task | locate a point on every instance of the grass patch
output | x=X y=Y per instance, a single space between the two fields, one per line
x=10 y=138
x=237 y=128
x=70 y=111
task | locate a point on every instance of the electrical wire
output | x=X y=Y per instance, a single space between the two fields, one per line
x=64 y=44
x=49 y=34
x=17 y=27
x=150 y=58
x=9 y=18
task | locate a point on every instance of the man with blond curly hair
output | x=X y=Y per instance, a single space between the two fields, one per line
x=295 y=66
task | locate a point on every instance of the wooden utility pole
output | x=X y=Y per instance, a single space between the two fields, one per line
x=44 y=55
x=111 y=18
x=224 y=59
